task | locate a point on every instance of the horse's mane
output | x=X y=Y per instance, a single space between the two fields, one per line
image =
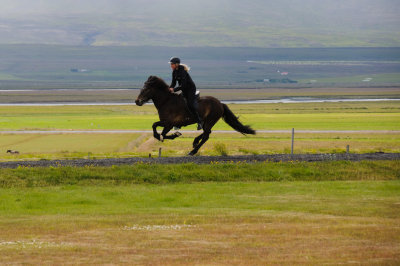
x=157 y=83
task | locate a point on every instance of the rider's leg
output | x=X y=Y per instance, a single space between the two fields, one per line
x=193 y=108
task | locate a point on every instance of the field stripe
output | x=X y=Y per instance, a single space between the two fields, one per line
x=187 y=131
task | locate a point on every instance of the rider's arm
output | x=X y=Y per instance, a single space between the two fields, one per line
x=173 y=83
x=182 y=84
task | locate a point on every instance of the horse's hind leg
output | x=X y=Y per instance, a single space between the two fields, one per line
x=197 y=140
x=205 y=137
x=208 y=124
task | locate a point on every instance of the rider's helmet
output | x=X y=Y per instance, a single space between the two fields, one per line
x=174 y=60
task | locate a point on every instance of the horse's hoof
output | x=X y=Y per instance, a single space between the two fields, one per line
x=162 y=138
x=191 y=153
x=178 y=134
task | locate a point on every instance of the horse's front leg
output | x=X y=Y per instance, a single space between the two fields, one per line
x=155 y=133
x=172 y=136
x=165 y=132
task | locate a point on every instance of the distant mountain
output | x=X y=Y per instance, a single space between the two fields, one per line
x=192 y=23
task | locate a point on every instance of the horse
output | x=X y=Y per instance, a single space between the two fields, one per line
x=173 y=112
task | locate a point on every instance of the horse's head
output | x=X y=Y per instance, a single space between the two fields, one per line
x=149 y=89
x=146 y=93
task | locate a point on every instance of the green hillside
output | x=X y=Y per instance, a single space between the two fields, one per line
x=192 y=23
x=55 y=66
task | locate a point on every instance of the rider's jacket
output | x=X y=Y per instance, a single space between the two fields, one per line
x=186 y=84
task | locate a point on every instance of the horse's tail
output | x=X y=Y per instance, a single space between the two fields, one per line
x=234 y=122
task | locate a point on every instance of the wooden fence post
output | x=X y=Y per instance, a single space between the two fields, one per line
x=292 y=140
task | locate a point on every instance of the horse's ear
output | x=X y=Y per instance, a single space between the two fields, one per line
x=150 y=77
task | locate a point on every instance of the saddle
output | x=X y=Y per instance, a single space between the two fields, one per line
x=197 y=97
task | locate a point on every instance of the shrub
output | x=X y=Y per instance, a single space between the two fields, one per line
x=220 y=148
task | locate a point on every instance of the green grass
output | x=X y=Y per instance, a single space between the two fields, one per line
x=68 y=146
x=188 y=173
x=66 y=143
x=330 y=198
x=325 y=212
x=323 y=116
x=383 y=116
x=314 y=222
x=333 y=121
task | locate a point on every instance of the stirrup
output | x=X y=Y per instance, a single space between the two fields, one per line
x=199 y=126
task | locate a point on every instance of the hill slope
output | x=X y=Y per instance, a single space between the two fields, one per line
x=257 y=23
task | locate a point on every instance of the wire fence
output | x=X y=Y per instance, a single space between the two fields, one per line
x=14 y=157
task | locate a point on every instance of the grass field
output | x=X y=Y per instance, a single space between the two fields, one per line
x=333 y=212
x=53 y=146
x=308 y=116
x=118 y=215
x=381 y=116
x=233 y=213
x=331 y=121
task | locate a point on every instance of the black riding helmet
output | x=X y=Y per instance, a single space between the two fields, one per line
x=174 y=60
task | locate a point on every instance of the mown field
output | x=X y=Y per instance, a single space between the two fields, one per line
x=233 y=213
x=376 y=121
x=264 y=213
x=306 y=116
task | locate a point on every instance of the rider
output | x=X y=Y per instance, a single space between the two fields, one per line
x=186 y=85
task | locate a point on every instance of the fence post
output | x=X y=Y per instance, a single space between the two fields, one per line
x=159 y=152
x=292 y=139
x=348 y=149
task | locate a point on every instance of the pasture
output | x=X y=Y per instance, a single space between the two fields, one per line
x=126 y=215
x=305 y=116
x=324 y=126
x=233 y=213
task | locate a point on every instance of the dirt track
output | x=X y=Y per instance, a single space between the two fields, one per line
x=206 y=159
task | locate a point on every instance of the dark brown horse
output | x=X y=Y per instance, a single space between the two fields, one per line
x=173 y=111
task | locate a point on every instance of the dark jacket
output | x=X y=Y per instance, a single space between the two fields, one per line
x=186 y=84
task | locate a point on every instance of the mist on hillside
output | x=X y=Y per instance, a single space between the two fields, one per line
x=257 y=23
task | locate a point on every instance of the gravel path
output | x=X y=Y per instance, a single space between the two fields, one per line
x=206 y=159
